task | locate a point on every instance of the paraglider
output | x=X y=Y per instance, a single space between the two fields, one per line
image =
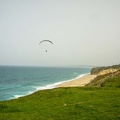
x=46 y=41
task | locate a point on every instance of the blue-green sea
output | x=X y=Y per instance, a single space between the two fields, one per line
x=17 y=81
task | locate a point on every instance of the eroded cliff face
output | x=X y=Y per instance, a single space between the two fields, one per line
x=103 y=72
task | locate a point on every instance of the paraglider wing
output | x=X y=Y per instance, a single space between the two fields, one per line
x=46 y=41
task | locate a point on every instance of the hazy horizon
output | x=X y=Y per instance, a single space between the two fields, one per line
x=83 y=32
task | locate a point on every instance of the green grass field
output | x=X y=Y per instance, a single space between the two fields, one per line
x=77 y=103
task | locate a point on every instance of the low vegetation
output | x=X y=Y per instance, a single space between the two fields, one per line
x=92 y=102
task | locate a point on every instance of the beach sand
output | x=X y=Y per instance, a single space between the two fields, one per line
x=78 y=81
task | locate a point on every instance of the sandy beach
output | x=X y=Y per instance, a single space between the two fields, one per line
x=78 y=82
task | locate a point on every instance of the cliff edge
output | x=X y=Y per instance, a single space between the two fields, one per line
x=104 y=74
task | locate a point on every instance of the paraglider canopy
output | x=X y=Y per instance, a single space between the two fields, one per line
x=46 y=41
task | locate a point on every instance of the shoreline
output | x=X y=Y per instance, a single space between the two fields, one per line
x=82 y=81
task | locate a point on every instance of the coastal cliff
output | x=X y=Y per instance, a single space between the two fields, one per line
x=104 y=74
x=105 y=70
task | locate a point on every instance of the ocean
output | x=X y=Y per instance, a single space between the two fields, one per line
x=17 y=81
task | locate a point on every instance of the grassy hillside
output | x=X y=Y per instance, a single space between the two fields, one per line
x=77 y=103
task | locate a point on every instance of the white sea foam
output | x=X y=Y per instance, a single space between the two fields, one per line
x=17 y=96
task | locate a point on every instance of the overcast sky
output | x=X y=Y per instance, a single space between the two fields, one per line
x=84 y=32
